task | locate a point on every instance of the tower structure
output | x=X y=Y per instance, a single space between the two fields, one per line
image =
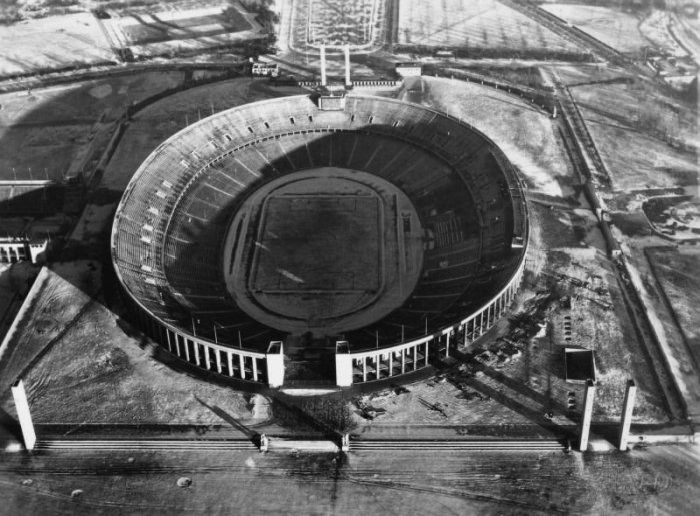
x=346 y=51
x=323 y=66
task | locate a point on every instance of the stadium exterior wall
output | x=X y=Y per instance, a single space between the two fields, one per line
x=364 y=366
x=379 y=364
x=359 y=367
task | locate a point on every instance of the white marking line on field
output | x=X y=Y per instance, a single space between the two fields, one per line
x=291 y=276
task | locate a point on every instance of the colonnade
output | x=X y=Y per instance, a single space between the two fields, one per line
x=366 y=366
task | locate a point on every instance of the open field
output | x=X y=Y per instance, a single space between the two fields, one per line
x=89 y=368
x=635 y=106
x=180 y=26
x=678 y=273
x=662 y=319
x=614 y=27
x=53 y=42
x=527 y=136
x=656 y=28
x=636 y=161
x=42 y=132
x=474 y=24
x=653 y=481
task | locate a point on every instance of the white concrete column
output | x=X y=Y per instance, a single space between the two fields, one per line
x=347 y=65
x=426 y=352
x=343 y=364
x=447 y=344
x=364 y=369
x=206 y=358
x=217 y=354
x=415 y=357
x=585 y=425
x=274 y=362
x=627 y=409
x=323 y=65
x=241 y=365
x=377 y=363
x=25 y=418
x=196 y=352
x=167 y=338
x=255 y=368
x=187 y=349
x=229 y=359
x=403 y=360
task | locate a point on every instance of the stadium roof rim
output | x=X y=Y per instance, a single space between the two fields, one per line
x=492 y=146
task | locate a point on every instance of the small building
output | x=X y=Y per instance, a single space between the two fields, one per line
x=678 y=72
x=332 y=97
x=579 y=364
x=261 y=69
x=14 y=249
x=409 y=69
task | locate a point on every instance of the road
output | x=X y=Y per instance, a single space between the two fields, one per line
x=366 y=482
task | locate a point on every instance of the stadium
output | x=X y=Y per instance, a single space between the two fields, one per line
x=369 y=240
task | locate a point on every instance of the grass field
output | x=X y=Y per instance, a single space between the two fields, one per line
x=158 y=27
x=319 y=242
x=612 y=26
x=679 y=276
x=154 y=124
x=88 y=370
x=640 y=108
x=636 y=161
x=53 y=42
x=473 y=24
x=180 y=26
x=653 y=481
x=44 y=131
x=527 y=136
